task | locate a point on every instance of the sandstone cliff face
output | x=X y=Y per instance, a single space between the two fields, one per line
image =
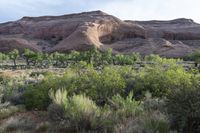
x=174 y=38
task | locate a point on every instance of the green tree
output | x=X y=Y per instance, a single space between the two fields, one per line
x=13 y=55
x=29 y=56
x=75 y=56
x=107 y=57
x=92 y=56
x=38 y=59
x=152 y=57
x=135 y=57
x=47 y=59
x=59 y=59
x=194 y=57
x=118 y=59
x=121 y=59
x=3 y=57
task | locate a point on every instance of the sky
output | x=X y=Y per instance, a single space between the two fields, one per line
x=11 y=10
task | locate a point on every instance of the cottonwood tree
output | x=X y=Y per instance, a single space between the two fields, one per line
x=107 y=57
x=29 y=56
x=13 y=55
x=75 y=56
x=194 y=57
x=59 y=59
x=3 y=57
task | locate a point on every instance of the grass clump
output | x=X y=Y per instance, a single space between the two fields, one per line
x=7 y=110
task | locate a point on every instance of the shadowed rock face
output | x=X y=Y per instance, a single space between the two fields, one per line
x=174 y=38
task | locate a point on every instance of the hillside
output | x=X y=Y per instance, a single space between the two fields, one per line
x=174 y=38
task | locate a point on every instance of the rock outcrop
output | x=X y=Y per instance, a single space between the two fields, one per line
x=174 y=38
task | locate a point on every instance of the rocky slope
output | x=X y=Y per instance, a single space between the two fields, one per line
x=174 y=38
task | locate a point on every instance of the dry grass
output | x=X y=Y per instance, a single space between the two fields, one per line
x=7 y=110
x=25 y=122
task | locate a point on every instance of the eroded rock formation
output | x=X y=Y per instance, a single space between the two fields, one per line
x=174 y=38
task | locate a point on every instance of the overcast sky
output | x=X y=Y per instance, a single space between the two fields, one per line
x=124 y=9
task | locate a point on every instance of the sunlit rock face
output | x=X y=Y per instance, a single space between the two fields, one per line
x=175 y=38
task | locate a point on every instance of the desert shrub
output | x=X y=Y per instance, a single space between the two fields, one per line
x=126 y=107
x=42 y=127
x=154 y=104
x=38 y=73
x=7 y=110
x=12 y=88
x=81 y=112
x=78 y=113
x=183 y=106
x=35 y=98
x=195 y=56
x=59 y=97
x=60 y=100
x=16 y=97
x=159 y=81
x=105 y=121
x=152 y=57
x=101 y=85
x=110 y=83
x=17 y=124
x=148 y=122
x=128 y=74
x=36 y=95
x=56 y=113
x=78 y=110
x=156 y=122
x=157 y=60
x=3 y=84
x=6 y=82
x=196 y=81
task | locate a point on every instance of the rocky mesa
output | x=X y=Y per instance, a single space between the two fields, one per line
x=174 y=38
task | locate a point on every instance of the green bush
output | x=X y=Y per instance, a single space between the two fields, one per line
x=126 y=107
x=183 y=106
x=36 y=95
x=195 y=56
x=7 y=110
x=35 y=98
x=98 y=85
x=4 y=80
x=101 y=85
x=159 y=81
x=81 y=112
x=17 y=124
x=157 y=60
x=109 y=83
x=78 y=112
x=156 y=122
x=11 y=89
x=56 y=113
x=148 y=122
x=154 y=104
x=59 y=97
x=97 y=93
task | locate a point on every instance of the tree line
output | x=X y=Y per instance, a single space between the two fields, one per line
x=92 y=56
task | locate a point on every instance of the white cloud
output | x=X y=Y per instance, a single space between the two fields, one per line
x=154 y=9
x=124 y=9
